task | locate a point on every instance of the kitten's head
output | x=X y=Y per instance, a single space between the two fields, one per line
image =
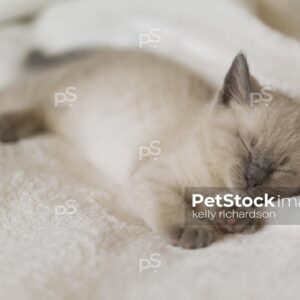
x=255 y=135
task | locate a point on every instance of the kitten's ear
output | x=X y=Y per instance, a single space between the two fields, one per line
x=237 y=82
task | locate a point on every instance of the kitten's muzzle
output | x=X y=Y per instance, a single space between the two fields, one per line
x=255 y=175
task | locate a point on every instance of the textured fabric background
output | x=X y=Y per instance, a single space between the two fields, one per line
x=62 y=233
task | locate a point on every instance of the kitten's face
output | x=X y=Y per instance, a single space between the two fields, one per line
x=257 y=145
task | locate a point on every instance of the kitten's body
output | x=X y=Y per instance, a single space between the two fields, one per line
x=125 y=101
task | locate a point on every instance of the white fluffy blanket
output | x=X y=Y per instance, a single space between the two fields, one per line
x=62 y=234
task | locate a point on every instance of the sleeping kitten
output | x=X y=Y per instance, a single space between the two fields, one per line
x=116 y=104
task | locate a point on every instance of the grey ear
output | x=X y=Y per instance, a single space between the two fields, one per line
x=237 y=82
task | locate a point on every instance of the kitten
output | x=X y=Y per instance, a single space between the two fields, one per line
x=115 y=105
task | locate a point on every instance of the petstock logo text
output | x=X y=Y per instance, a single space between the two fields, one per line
x=210 y=203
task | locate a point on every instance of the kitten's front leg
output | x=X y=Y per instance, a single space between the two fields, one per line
x=161 y=205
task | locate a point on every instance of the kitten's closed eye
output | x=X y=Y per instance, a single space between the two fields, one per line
x=284 y=161
x=282 y=166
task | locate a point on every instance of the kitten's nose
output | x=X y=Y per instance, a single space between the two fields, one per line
x=255 y=175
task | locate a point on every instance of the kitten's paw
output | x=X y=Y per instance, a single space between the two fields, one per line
x=227 y=220
x=9 y=127
x=193 y=236
x=20 y=124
